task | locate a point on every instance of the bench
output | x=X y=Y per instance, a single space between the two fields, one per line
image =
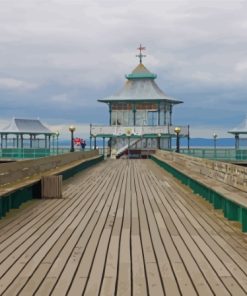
x=231 y=200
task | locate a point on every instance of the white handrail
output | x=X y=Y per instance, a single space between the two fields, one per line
x=119 y=130
x=124 y=148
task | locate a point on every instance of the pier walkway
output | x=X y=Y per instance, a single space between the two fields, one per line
x=123 y=227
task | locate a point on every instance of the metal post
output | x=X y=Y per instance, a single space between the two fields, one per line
x=170 y=115
x=215 y=137
x=72 y=149
x=110 y=143
x=177 y=144
x=21 y=141
x=188 y=137
x=95 y=143
x=110 y=115
x=104 y=147
x=45 y=141
x=72 y=129
x=236 y=141
x=158 y=139
x=49 y=142
x=134 y=114
x=129 y=148
x=57 y=142
x=159 y=113
x=53 y=143
x=177 y=131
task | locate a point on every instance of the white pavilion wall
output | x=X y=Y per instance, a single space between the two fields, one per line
x=141 y=117
x=126 y=117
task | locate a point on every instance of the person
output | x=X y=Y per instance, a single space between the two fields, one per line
x=77 y=141
x=83 y=144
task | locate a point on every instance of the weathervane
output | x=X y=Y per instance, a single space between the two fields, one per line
x=140 y=55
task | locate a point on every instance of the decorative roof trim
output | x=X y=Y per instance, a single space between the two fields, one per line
x=141 y=76
x=169 y=100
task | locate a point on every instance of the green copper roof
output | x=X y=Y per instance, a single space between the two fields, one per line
x=140 y=86
x=141 y=72
x=141 y=75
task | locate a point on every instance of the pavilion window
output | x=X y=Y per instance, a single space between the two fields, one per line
x=147 y=106
x=152 y=118
x=121 y=106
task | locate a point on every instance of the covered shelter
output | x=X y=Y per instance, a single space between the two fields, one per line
x=238 y=131
x=26 y=134
x=140 y=116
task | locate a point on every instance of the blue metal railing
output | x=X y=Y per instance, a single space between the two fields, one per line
x=217 y=154
x=31 y=153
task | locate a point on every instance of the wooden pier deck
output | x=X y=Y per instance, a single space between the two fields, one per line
x=124 y=227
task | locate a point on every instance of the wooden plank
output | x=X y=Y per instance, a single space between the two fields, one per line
x=139 y=280
x=124 y=261
x=178 y=269
x=206 y=236
x=31 y=219
x=60 y=252
x=97 y=272
x=87 y=259
x=125 y=228
x=153 y=273
x=40 y=246
x=111 y=265
x=213 y=278
x=168 y=279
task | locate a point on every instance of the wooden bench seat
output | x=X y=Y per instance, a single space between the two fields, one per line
x=232 y=201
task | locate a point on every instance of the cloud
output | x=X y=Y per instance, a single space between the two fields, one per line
x=61 y=98
x=82 y=130
x=16 y=85
x=204 y=131
x=66 y=54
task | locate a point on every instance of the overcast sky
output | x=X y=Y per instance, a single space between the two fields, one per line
x=58 y=57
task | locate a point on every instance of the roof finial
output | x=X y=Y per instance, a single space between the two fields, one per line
x=140 y=55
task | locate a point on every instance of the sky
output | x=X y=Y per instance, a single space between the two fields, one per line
x=58 y=57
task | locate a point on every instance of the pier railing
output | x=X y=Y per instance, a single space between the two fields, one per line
x=224 y=154
x=32 y=153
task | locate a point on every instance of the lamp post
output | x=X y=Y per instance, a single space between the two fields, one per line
x=72 y=129
x=57 y=135
x=215 y=137
x=128 y=134
x=177 y=130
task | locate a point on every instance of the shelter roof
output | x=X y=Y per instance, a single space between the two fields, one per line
x=241 y=129
x=26 y=126
x=140 y=69
x=140 y=86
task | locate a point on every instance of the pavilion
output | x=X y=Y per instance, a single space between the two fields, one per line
x=26 y=134
x=237 y=131
x=140 y=115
